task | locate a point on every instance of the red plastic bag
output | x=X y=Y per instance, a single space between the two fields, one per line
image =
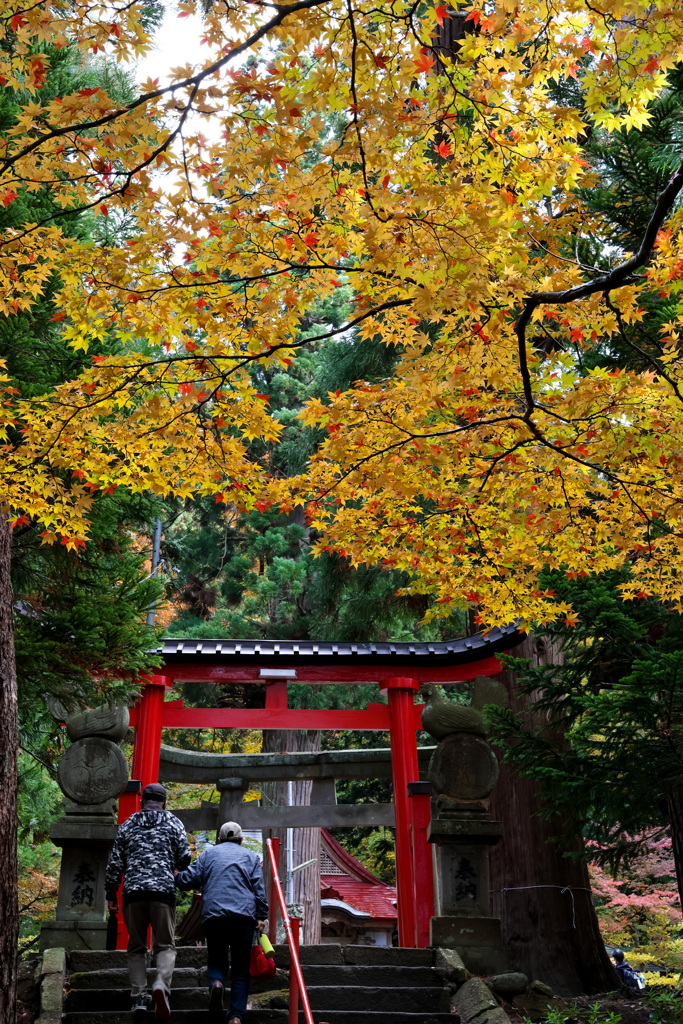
x=260 y=965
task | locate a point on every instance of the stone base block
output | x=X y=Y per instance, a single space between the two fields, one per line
x=481 y=831
x=477 y=940
x=73 y=935
x=85 y=829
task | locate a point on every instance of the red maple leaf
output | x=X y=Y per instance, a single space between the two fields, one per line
x=444 y=149
x=311 y=239
x=441 y=13
x=425 y=63
x=9 y=197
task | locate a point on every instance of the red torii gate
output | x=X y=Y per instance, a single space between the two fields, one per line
x=398 y=668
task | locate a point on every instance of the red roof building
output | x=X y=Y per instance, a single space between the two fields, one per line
x=357 y=908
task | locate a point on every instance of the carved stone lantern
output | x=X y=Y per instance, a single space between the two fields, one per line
x=91 y=774
x=463 y=772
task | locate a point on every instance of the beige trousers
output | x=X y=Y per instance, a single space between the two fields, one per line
x=138 y=918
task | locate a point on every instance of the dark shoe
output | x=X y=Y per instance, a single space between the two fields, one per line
x=216 y=999
x=139 y=1010
x=162 y=1010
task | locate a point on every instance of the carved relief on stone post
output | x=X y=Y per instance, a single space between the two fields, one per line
x=93 y=771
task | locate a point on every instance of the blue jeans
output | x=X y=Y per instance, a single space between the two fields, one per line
x=233 y=933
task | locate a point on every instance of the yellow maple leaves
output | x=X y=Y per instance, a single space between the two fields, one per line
x=352 y=147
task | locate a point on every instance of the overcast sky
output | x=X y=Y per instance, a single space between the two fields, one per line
x=177 y=44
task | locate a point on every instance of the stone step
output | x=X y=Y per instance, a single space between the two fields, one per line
x=322 y=998
x=314 y=974
x=270 y=1017
x=117 y=977
x=386 y=956
x=369 y=997
x=79 y=960
x=382 y=976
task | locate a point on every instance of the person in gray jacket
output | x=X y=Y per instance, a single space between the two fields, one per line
x=234 y=904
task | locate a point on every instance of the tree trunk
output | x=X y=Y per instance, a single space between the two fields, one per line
x=676 y=816
x=543 y=897
x=9 y=745
x=306 y=841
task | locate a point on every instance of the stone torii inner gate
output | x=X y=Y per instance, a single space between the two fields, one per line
x=399 y=669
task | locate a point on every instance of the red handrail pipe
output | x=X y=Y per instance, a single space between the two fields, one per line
x=291 y=939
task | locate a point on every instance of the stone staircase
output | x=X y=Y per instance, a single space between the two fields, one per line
x=345 y=985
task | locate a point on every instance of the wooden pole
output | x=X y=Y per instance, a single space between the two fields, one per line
x=272 y=896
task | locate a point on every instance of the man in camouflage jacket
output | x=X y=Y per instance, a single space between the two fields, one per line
x=150 y=846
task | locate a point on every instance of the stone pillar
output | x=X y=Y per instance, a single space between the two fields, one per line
x=91 y=774
x=463 y=771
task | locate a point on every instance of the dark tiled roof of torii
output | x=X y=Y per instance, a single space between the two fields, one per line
x=283 y=652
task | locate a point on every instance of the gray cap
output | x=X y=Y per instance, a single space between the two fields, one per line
x=230 y=832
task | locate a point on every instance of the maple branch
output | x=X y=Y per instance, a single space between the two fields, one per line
x=50 y=769
x=243 y=359
x=221 y=376
x=616 y=278
x=186 y=83
x=264 y=276
x=564 y=259
x=485 y=555
x=121 y=190
x=361 y=147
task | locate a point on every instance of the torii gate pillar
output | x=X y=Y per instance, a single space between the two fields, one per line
x=400 y=691
x=145 y=769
